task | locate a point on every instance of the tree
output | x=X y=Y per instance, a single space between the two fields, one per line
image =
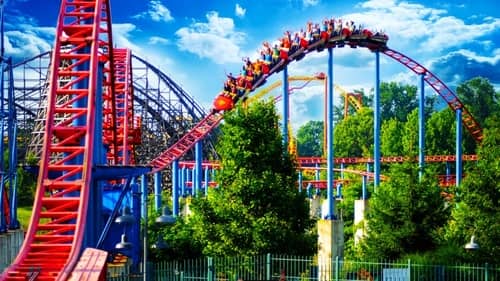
x=478 y=204
x=391 y=133
x=354 y=135
x=257 y=208
x=310 y=139
x=480 y=98
x=404 y=215
x=440 y=133
x=398 y=100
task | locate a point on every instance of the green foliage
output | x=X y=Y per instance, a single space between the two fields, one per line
x=391 y=133
x=310 y=139
x=480 y=98
x=354 y=135
x=26 y=187
x=478 y=204
x=440 y=133
x=398 y=100
x=404 y=215
x=409 y=138
x=178 y=238
x=257 y=208
x=31 y=159
x=350 y=192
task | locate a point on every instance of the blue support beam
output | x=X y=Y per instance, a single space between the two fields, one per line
x=183 y=180
x=198 y=151
x=144 y=193
x=458 y=144
x=206 y=180
x=175 y=188
x=376 y=121
x=421 y=128
x=300 y=181
x=329 y=140
x=157 y=188
x=286 y=107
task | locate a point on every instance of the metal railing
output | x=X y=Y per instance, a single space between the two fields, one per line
x=296 y=268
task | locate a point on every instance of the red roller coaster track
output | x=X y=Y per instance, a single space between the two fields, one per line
x=54 y=236
x=182 y=146
x=201 y=130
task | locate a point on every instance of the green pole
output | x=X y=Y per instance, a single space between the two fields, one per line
x=486 y=272
x=268 y=267
x=210 y=271
x=337 y=268
x=408 y=272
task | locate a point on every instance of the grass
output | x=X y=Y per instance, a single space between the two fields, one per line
x=24 y=215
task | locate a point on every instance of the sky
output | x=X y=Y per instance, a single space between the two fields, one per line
x=196 y=43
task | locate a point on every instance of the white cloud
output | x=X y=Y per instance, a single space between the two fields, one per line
x=122 y=34
x=158 y=40
x=216 y=39
x=156 y=12
x=29 y=42
x=240 y=11
x=308 y=3
x=417 y=25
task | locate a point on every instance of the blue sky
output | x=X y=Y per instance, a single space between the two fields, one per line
x=197 y=42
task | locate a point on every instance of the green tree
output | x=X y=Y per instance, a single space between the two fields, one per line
x=440 y=133
x=398 y=100
x=404 y=215
x=391 y=133
x=478 y=204
x=354 y=135
x=257 y=209
x=310 y=139
x=480 y=98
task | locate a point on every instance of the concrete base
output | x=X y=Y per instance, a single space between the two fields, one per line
x=315 y=206
x=10 y=243
x=330 y=246
x=360 y=209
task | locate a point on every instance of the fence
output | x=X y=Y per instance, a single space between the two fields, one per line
x=293 y=268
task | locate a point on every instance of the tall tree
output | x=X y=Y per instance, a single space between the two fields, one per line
x=478 y=204
x=398 y=100
x=391 y=133
x=354 y=135
x=404 y=215
x=480 y=98
x=257 y=208
x=310 y=139
x=440 y=133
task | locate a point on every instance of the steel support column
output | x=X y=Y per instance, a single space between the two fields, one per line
x=329 y=140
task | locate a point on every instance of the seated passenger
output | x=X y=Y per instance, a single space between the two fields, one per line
x=276 y=54
x=295 y=43
x=257 y=68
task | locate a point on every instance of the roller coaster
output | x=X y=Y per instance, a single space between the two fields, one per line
x=91 y=133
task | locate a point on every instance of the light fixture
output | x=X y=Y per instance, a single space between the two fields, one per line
x=123 y=244
x=166 y=217
x=126 y=217
x=160 y=243
x=472 y=245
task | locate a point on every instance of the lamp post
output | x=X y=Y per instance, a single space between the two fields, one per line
x=472 y=245
x=126 y=218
